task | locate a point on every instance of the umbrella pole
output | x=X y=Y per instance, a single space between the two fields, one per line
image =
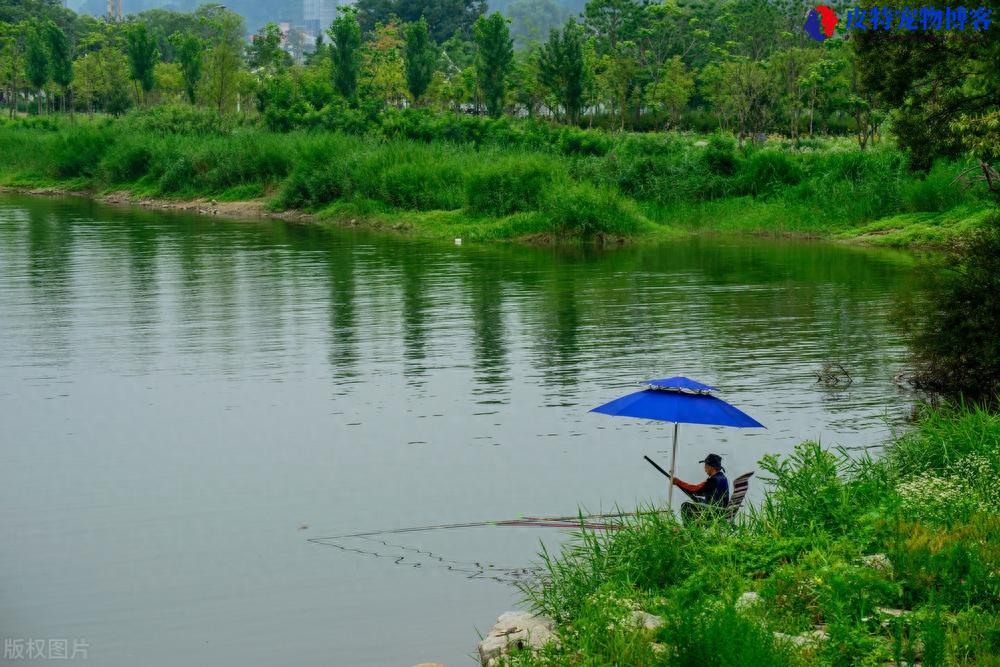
x=673 y=468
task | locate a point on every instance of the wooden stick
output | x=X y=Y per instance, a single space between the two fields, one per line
x=667 y=475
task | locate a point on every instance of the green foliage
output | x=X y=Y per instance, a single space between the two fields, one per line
x=935 y=85
x=494 y=57
x=510 y=185
x=345 y=55
x=37 y=68
x=562 y=68
x=420 y=57
x=142 y=55
x=395 y=174
x=583 y=210
x=812 y=564
x=956 y=351
x=265 y=52
x=719 y=636
x=78 y=152
x=60 y=55
x=444 y=18
x=768 y=171
x=190 y=51
x=176 y=119
x=720 y=155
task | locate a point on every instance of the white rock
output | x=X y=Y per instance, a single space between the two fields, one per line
x=646 y=621
x=701 y=143
x=748 y=600
x=879 y=562
x=515 y=629
x=812 y=637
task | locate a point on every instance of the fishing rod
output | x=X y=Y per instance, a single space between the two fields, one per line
x=670 y=477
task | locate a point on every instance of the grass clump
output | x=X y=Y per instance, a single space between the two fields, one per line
x=510 y=185
x=507 y=175
x=841 y=555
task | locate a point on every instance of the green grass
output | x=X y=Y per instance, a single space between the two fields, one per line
x=930 y=506
x=505 y=180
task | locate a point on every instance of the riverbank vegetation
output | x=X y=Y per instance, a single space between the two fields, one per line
x=854 y=561
x=631 y=119
x=443 y=174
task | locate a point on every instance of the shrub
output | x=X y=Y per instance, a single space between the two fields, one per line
x=422 y=186
x=78 y=152
x=169 y=119
x=934 y=192
x=127 y=161
x=746 y=641
x=178 y=175
x=767 y=171
x=953 y=335
x=720 y=155
x=587 y=211
x=507 y=186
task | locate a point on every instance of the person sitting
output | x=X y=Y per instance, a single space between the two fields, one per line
x=712 y=494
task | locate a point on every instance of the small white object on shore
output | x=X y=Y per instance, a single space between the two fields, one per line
x=518 y=629
x=458 y=241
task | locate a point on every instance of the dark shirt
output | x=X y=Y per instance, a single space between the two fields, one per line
x=715 y=490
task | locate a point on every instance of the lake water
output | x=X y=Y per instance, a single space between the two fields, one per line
x=185 y=402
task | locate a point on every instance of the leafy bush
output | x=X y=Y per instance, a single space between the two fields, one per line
x=720 y=155
x=127 y=160
x=79 y=151
x=934 y=192
x=179 y=119
x=509 y=185
x=587 y=211
x=953 y=335
x=767 y=171
x=720 y=637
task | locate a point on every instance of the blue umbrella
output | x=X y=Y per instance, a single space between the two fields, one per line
x=681 y=401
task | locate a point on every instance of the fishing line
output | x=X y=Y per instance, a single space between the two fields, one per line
x=576 y=521
x=473 y=569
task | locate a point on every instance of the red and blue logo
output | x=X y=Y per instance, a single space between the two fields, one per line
x=821 y=23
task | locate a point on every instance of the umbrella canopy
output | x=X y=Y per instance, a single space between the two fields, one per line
x=682 y=401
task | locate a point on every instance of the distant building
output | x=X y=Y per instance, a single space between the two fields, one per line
x=317 y=15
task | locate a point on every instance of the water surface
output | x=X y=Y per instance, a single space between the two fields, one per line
x=185 y=401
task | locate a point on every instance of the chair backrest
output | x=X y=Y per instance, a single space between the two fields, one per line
x=740 y=486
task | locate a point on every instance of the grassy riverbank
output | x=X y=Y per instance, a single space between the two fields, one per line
x=887 y=562
x=509 y=181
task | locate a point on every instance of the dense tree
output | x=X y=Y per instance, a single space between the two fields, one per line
x=613 y=21
x=934 y=83
x=672 y=89
x=495 y=55
x=444 y=17
x=561 y=68
x=345 y=54
x=532 y=20
x=61 y=58
x=37 y=67
x=526 y=85
x=190 y=52
x=420 y=56
x=383 y=76
x=224 y=59
x=265 y=50
x=101 y=80
x=142 y=58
